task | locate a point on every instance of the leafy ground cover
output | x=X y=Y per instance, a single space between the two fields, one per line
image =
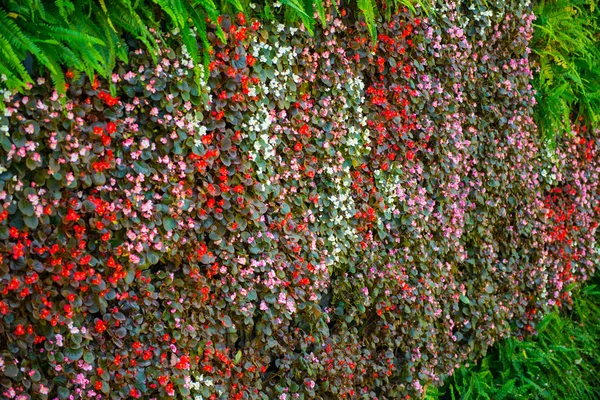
x=561 y=362
x=311 y=217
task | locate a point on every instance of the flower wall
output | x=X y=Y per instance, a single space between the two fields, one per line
x=318 y=218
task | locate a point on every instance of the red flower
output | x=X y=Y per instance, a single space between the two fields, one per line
x=147 y=355
x=3 y=308
x=72 y=215
x=242 y=18
x=108 y=99
x=31 y=279
x=205 y=292
x=184 y=363
x=304 y=281
x=111 y=127
x=304 y=130
x=163 y=380
x=238 y=189
x=85 y=260
x=19 y=331
x=410 y=155
x=170 y=390
x=18 y=250
x=100 y=326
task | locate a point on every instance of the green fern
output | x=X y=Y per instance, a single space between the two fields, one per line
x=562 y=362
x=368 y=8
x=88 y=35
x=568 y=82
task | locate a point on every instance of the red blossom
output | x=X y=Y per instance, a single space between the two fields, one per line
x=100 y=326
x=19 y=331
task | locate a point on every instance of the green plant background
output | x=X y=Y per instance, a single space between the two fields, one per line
x=562 y=362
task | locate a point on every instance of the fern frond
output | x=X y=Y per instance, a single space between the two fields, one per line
x=320 y=8
x=12 y=61
x=298 y=10
x=65 y=8
x=17 y=38
x=368 y=8
x=200 y=23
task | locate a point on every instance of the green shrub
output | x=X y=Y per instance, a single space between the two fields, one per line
x=561 y=362
x=567 y=53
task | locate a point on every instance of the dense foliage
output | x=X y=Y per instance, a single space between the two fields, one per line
x=91 y=36
x=314 y=218
x=567 y=55
x=562 y=362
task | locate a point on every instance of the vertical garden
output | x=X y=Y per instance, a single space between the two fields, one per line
x=299 y=199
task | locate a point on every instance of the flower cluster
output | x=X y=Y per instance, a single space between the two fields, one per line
x=316 y=217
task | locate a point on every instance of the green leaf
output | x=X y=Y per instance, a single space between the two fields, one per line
x=506 y=389
x=88 y=357
x=36 y=376
x=320 y=7
x=169 y=223
x=73 y=354
x=26 y=207
x=153 y=258
x=11 y=370
x=31 y=222
x=63 y=393
x=299 y=10
x=368 y=8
